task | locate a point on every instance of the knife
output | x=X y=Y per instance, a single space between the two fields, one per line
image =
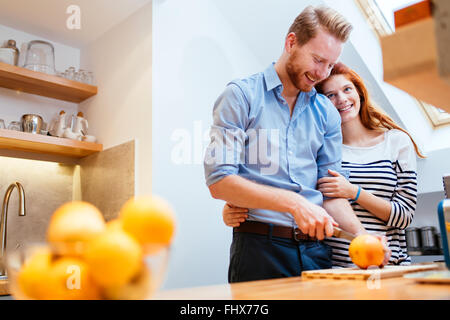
x=339 y=233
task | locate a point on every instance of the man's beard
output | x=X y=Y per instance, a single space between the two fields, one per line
x=295 y=74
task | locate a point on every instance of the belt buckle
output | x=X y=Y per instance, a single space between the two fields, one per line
x=297 y=233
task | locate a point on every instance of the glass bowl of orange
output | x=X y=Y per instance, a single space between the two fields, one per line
x=85 y=258
x=44 y=272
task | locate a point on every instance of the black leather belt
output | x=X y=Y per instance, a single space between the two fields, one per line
x=277 y=231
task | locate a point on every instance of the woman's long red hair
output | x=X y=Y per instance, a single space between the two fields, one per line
x=372 y=117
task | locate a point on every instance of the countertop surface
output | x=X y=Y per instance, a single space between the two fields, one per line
x=300 y=288
x=296 y=288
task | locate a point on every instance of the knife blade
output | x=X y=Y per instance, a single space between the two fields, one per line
x=339 y=233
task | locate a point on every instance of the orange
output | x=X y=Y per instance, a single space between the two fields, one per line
x=114 y=257
x=150 y=219
x=75 y=222
x=69 y=279
x=138 y=288
x=115 y=224
x=366 y=250
x=33 y=275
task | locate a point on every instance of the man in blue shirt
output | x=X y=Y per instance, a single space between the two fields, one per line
x=272 y=138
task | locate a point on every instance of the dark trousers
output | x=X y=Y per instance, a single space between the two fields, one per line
x=258 y=257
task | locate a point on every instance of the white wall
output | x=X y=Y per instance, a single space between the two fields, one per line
x=14 y=104
x=121 y=60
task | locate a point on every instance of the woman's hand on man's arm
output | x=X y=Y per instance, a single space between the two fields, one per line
x=337 y=186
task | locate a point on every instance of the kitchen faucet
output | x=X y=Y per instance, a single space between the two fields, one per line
x=4 y=216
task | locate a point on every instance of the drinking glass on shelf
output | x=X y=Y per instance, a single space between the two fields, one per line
x=90 y=78
x=70 y=73
x=2 y=124
x=77 y=76
x=15 y=125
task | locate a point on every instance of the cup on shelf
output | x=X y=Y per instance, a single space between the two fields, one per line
x=70 y=73
x=81 y=75
x=44 y=129
x=90 y=78
x=15 y=125
x=77 y=76
x=32 y=123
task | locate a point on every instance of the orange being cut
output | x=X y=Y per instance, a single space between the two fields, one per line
x=366 y=251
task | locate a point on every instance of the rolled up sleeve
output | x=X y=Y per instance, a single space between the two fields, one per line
x=330 y=154
x=226 y=149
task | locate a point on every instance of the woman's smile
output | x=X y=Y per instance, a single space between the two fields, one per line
x=345 y=108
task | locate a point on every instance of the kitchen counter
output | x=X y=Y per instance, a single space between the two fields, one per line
x=296 y=288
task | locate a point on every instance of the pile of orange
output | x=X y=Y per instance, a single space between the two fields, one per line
x=88 y=258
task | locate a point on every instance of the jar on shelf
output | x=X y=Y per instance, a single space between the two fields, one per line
x=12 y=45
x=15 y=125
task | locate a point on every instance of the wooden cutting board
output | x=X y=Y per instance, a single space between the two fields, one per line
x=359 y=274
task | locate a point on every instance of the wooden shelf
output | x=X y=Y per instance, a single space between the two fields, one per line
x=42 y=84
x=37 y=143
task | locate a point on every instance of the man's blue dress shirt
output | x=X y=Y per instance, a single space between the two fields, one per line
x=254 y=136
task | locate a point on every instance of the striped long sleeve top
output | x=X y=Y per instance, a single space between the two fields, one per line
x=387 y=170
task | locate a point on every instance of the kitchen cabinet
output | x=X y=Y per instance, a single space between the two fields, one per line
x=24 y=80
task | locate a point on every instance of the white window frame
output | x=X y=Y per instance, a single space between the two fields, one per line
x=381 y=28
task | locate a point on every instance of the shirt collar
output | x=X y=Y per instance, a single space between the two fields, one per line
x=273 y=81
x=271 y=77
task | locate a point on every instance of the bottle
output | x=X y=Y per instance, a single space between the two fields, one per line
x=81 y=125
x=12 y=45
x=58 y=125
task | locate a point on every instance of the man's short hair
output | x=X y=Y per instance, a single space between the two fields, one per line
x=312 y=18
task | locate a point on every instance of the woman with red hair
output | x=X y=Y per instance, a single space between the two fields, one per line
x=380 y=157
